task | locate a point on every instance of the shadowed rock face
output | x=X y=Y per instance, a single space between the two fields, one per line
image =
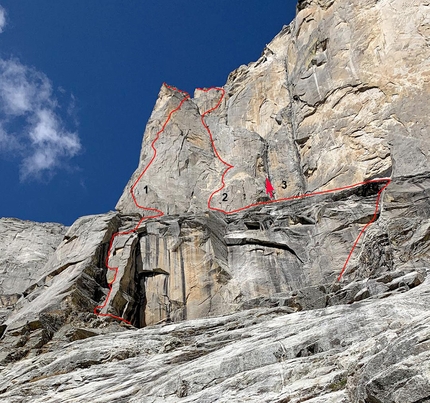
x=373 y=350
x=340 y=96
x=25 y=247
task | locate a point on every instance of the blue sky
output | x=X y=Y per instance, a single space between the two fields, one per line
x=79 y=79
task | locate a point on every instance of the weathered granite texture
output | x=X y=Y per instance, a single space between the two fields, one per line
x=25 y=247
x=371 y=351
x=339 y=96
x=70 y=284
x=194 y=266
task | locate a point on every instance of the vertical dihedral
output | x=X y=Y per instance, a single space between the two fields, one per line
x=266 y=163
x=288 y=120
x=183 y=284
x=322 y=110
x=147 y=253
x=157 y=251
x=100 y=271
x=137 y=311
x=329 y=105
x=167 y=305
x=124 y=288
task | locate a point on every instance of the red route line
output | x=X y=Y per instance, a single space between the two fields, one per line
x=159 y=213
x=98 y=308
x=375 y=216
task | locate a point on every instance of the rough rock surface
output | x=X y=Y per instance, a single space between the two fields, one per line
x=25 y=247
x=371 y=351
x=71 y=284
x=337 y=98
x=200 y=265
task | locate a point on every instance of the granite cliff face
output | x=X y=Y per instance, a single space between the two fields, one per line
x=335 y=109
x=25 y=247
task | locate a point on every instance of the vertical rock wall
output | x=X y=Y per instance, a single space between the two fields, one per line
x=338 y=97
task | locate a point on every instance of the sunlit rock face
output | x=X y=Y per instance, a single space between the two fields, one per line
x=25 y=248
x=337 y=98
x=239 y=292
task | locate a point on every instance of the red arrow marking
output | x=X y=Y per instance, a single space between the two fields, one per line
x=269 y=190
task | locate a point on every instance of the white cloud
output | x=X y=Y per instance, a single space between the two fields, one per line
x=2 y=19
x=7 y=142
x=27 y=100
x=50 y=143
x=30 y=126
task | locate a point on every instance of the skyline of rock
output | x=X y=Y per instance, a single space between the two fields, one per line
x=206 y=297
